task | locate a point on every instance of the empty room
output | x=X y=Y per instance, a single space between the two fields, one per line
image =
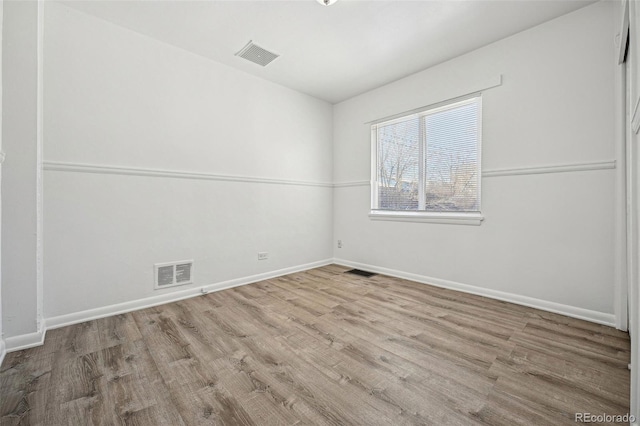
x=319 y=212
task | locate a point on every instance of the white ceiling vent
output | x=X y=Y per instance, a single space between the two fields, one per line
x=173 y=274
x=256 y=54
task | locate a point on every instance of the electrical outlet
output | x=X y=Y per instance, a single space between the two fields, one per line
x=339 y=243
x=263 y=255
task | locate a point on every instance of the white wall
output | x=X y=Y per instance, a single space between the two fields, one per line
x=19 y=170
x=119 y=99
x=116 y=98
x=632 y=69
x=545 y=236
x=2 y=342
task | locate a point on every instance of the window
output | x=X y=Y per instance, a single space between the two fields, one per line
x=426 y=165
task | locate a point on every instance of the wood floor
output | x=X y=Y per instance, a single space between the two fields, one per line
x=321 y=347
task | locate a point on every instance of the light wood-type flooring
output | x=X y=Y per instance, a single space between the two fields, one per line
x=321 y=347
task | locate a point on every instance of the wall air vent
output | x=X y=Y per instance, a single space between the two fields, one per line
x=256 y=54
x=173 y=274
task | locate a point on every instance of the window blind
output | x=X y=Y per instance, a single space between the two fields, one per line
x=430 y=161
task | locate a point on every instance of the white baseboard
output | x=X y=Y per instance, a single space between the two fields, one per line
x=25 y=341
x=30 y=340
x=3 y=351
x=545 y=305
x=120 y=308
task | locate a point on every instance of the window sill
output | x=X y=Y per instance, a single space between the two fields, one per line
x=474 y=219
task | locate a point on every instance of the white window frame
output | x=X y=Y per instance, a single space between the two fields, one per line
x=460 y=218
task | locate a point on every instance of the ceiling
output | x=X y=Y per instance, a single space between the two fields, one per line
x=335 y=52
